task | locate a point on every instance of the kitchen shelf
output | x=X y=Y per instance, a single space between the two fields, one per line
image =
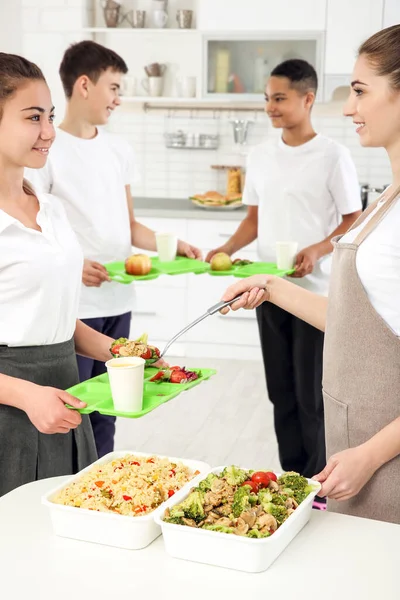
x=140 y=30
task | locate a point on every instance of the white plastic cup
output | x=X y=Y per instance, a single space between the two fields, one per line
x=126 y=375
x=167 y=246
x=286 y=253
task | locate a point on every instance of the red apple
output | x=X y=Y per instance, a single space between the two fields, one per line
x=138 y=264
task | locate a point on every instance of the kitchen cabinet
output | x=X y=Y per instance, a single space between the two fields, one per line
x=167 y=304
x=348 y=24
x=237 y=65
x=255 y=15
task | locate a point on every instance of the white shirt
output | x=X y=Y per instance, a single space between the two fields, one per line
x=40 y=278
x=378 y=264
x=89 y=176
x=301 y=193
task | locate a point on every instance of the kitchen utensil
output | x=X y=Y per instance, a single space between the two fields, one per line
x=186 y=87
x=286 y=254
x=160 y=18
x=210 y=311
x=240 y=130
x=111 y=12
x=153 y=86
x=155 y=70
x=184 y=19
x=137 y=19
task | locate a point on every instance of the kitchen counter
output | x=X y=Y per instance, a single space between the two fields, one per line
x=335 y=557
x=172 y=208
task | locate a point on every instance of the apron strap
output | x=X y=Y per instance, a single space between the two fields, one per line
x=378 y=216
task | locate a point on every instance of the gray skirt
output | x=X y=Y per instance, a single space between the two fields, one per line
x=26 y=454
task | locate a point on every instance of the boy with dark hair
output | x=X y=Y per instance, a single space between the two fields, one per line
x=304 y=188
x=91 y=171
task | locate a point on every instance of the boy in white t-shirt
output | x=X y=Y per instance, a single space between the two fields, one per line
x=91 y=170
x=301 y=188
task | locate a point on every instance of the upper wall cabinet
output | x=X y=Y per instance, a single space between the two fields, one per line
x=348 y=24
x=258 y=15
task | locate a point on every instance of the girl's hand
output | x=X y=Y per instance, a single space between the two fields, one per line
x=45 y=407
x=346 y=473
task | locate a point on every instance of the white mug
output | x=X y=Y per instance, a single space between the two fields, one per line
x=153 y=85
x=129 y=86
x=160 y=19
x=186 y=87
x=167 y=246
x=286 y=255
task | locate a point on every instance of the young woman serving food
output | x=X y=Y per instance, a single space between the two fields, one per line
x=40 y=278
x=361 y=317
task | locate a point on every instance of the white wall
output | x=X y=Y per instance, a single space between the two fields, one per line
x=10 y=26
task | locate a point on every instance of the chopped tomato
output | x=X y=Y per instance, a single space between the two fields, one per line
x=127 y=498
x=115 y=349
x=261 y=478
x=135 y=463
x=156 y=352
x=197 y=472
x=177 y=377
x=147 y=354
x=170 y=493
x=172 y=472
x=253 y=485
x=150 y=460
x=272 y=476
x=114 y=481
x=99 y=483
x=158 y=376
x=175 y=368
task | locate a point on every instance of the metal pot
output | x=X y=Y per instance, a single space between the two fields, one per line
x=366 y=189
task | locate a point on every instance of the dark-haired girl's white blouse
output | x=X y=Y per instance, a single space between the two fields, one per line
x=40 y=281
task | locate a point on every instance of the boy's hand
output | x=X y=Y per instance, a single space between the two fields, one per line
x=306 y=261
x=94 y=274
x=185 y=249
x=215 y=251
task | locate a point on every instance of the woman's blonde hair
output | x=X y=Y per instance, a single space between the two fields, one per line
x=383 y=52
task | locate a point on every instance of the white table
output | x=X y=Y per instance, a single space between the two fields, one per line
x=335 y=557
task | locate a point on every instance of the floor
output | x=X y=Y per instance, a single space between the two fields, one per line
x=226 y=420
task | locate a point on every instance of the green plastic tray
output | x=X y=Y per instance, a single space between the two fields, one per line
x=116 y=271
x=231 y=272
x=261 y=268
x=97 y=394
x=180 y=266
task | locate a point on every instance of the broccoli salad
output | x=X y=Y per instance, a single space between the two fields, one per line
x=253 y=504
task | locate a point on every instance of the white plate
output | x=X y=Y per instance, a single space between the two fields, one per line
x=121 y=531
x=231 y=206
x=227 y=550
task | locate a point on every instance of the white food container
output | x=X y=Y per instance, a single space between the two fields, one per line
x=121 y=531
x=228 y=550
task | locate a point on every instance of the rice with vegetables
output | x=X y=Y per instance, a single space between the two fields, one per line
x=132 y=486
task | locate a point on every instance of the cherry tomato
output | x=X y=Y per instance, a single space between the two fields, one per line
x=174 y=368
x=147 y=354
x=272 y=476
x=157 y=352
x=177 y=377
x=253 y=485
x=261 y=478
x=115 y=349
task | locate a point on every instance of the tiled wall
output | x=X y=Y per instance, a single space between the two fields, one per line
x=172 y=173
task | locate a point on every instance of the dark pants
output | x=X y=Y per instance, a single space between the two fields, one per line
x=292 y=353
x=103 y=425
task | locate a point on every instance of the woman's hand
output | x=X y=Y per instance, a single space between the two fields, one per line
x=253 y=290
x=45 y=407
x=185 y=249
x=346 y=473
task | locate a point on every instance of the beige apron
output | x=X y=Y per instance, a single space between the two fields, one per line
x=361 y=377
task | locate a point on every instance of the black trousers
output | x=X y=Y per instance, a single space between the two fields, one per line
x=292 y=353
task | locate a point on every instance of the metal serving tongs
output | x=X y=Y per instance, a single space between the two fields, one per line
x=210 y=311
